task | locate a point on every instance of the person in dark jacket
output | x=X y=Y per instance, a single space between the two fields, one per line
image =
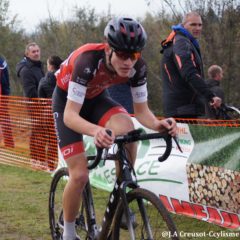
x=215 y=76
x=5 y=121
x=48 y=82
x=4 y=77
x=30 y=71
x=45 y=90
x=184 y=88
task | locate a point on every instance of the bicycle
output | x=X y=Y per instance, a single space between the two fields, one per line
x=228 y=112
x=144 y=214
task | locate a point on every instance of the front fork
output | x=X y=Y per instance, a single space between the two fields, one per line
x=123 y=194
x=91 y=217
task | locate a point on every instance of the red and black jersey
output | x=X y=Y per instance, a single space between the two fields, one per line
x=86 y=70
x=83 y=78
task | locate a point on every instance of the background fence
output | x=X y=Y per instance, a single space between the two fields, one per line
x=207 y=184
x=27 y=133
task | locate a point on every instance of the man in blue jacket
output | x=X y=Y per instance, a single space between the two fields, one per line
x=5 y=90
x=184 y=89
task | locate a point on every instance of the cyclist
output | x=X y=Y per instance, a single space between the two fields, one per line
x=82 y=105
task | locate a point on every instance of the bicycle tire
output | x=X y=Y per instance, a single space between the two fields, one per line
x=161 y=223
x=55 y=208
x=233 y=113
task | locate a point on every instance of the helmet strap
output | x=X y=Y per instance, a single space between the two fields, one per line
x=110 y=58
x=108 y=63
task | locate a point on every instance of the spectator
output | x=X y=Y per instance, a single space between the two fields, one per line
x=121 y=93
x=48 y=83
x=4 y=76
x=184 y=88
x=30 y=71
x=5 y=91
x=45 y=90
x=215 y=75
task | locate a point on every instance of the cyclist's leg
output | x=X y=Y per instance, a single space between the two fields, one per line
x=121 y=123
x=78 y=177
x=56 y=221
x=72 y=149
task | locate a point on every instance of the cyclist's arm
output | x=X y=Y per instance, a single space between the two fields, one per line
x=72 y=119
x=83 y=67
x=144 y=115
x=76 y=122
x=82 y=126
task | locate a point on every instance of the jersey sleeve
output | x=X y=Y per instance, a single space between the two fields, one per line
x=138 y=82
x=83 y=71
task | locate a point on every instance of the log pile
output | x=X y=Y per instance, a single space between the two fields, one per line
x=214 y=186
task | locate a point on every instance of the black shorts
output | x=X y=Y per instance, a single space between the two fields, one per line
x=97 y=110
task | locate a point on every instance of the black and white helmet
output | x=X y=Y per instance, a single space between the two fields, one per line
x=125 y=34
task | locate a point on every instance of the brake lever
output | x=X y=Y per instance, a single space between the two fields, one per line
x=175 y=138
x=105 y=156
x=177 y=143
x=99 y=154
x=109 y=132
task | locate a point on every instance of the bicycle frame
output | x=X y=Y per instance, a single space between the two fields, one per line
x=119 y=198
x=124 y=180
x=118 y=194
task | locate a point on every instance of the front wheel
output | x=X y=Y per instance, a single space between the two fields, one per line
x=150 y=218
x=56 y=222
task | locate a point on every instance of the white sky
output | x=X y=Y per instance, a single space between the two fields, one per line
x=31 y=12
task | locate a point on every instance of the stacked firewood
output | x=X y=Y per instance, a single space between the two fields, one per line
x=214 y=186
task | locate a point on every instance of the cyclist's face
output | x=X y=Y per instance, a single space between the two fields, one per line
x=194 y=25
x=122 y=62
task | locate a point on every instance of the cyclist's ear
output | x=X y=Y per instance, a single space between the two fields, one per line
x=108 y=51
x=107 y=47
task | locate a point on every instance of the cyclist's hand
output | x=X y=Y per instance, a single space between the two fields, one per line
x=216 y=102
x=102 y=139
x=170 y=125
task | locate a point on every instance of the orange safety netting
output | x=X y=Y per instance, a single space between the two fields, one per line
x=27 y=135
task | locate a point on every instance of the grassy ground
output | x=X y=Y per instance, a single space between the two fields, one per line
x=24 y=208
x=23 y=204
